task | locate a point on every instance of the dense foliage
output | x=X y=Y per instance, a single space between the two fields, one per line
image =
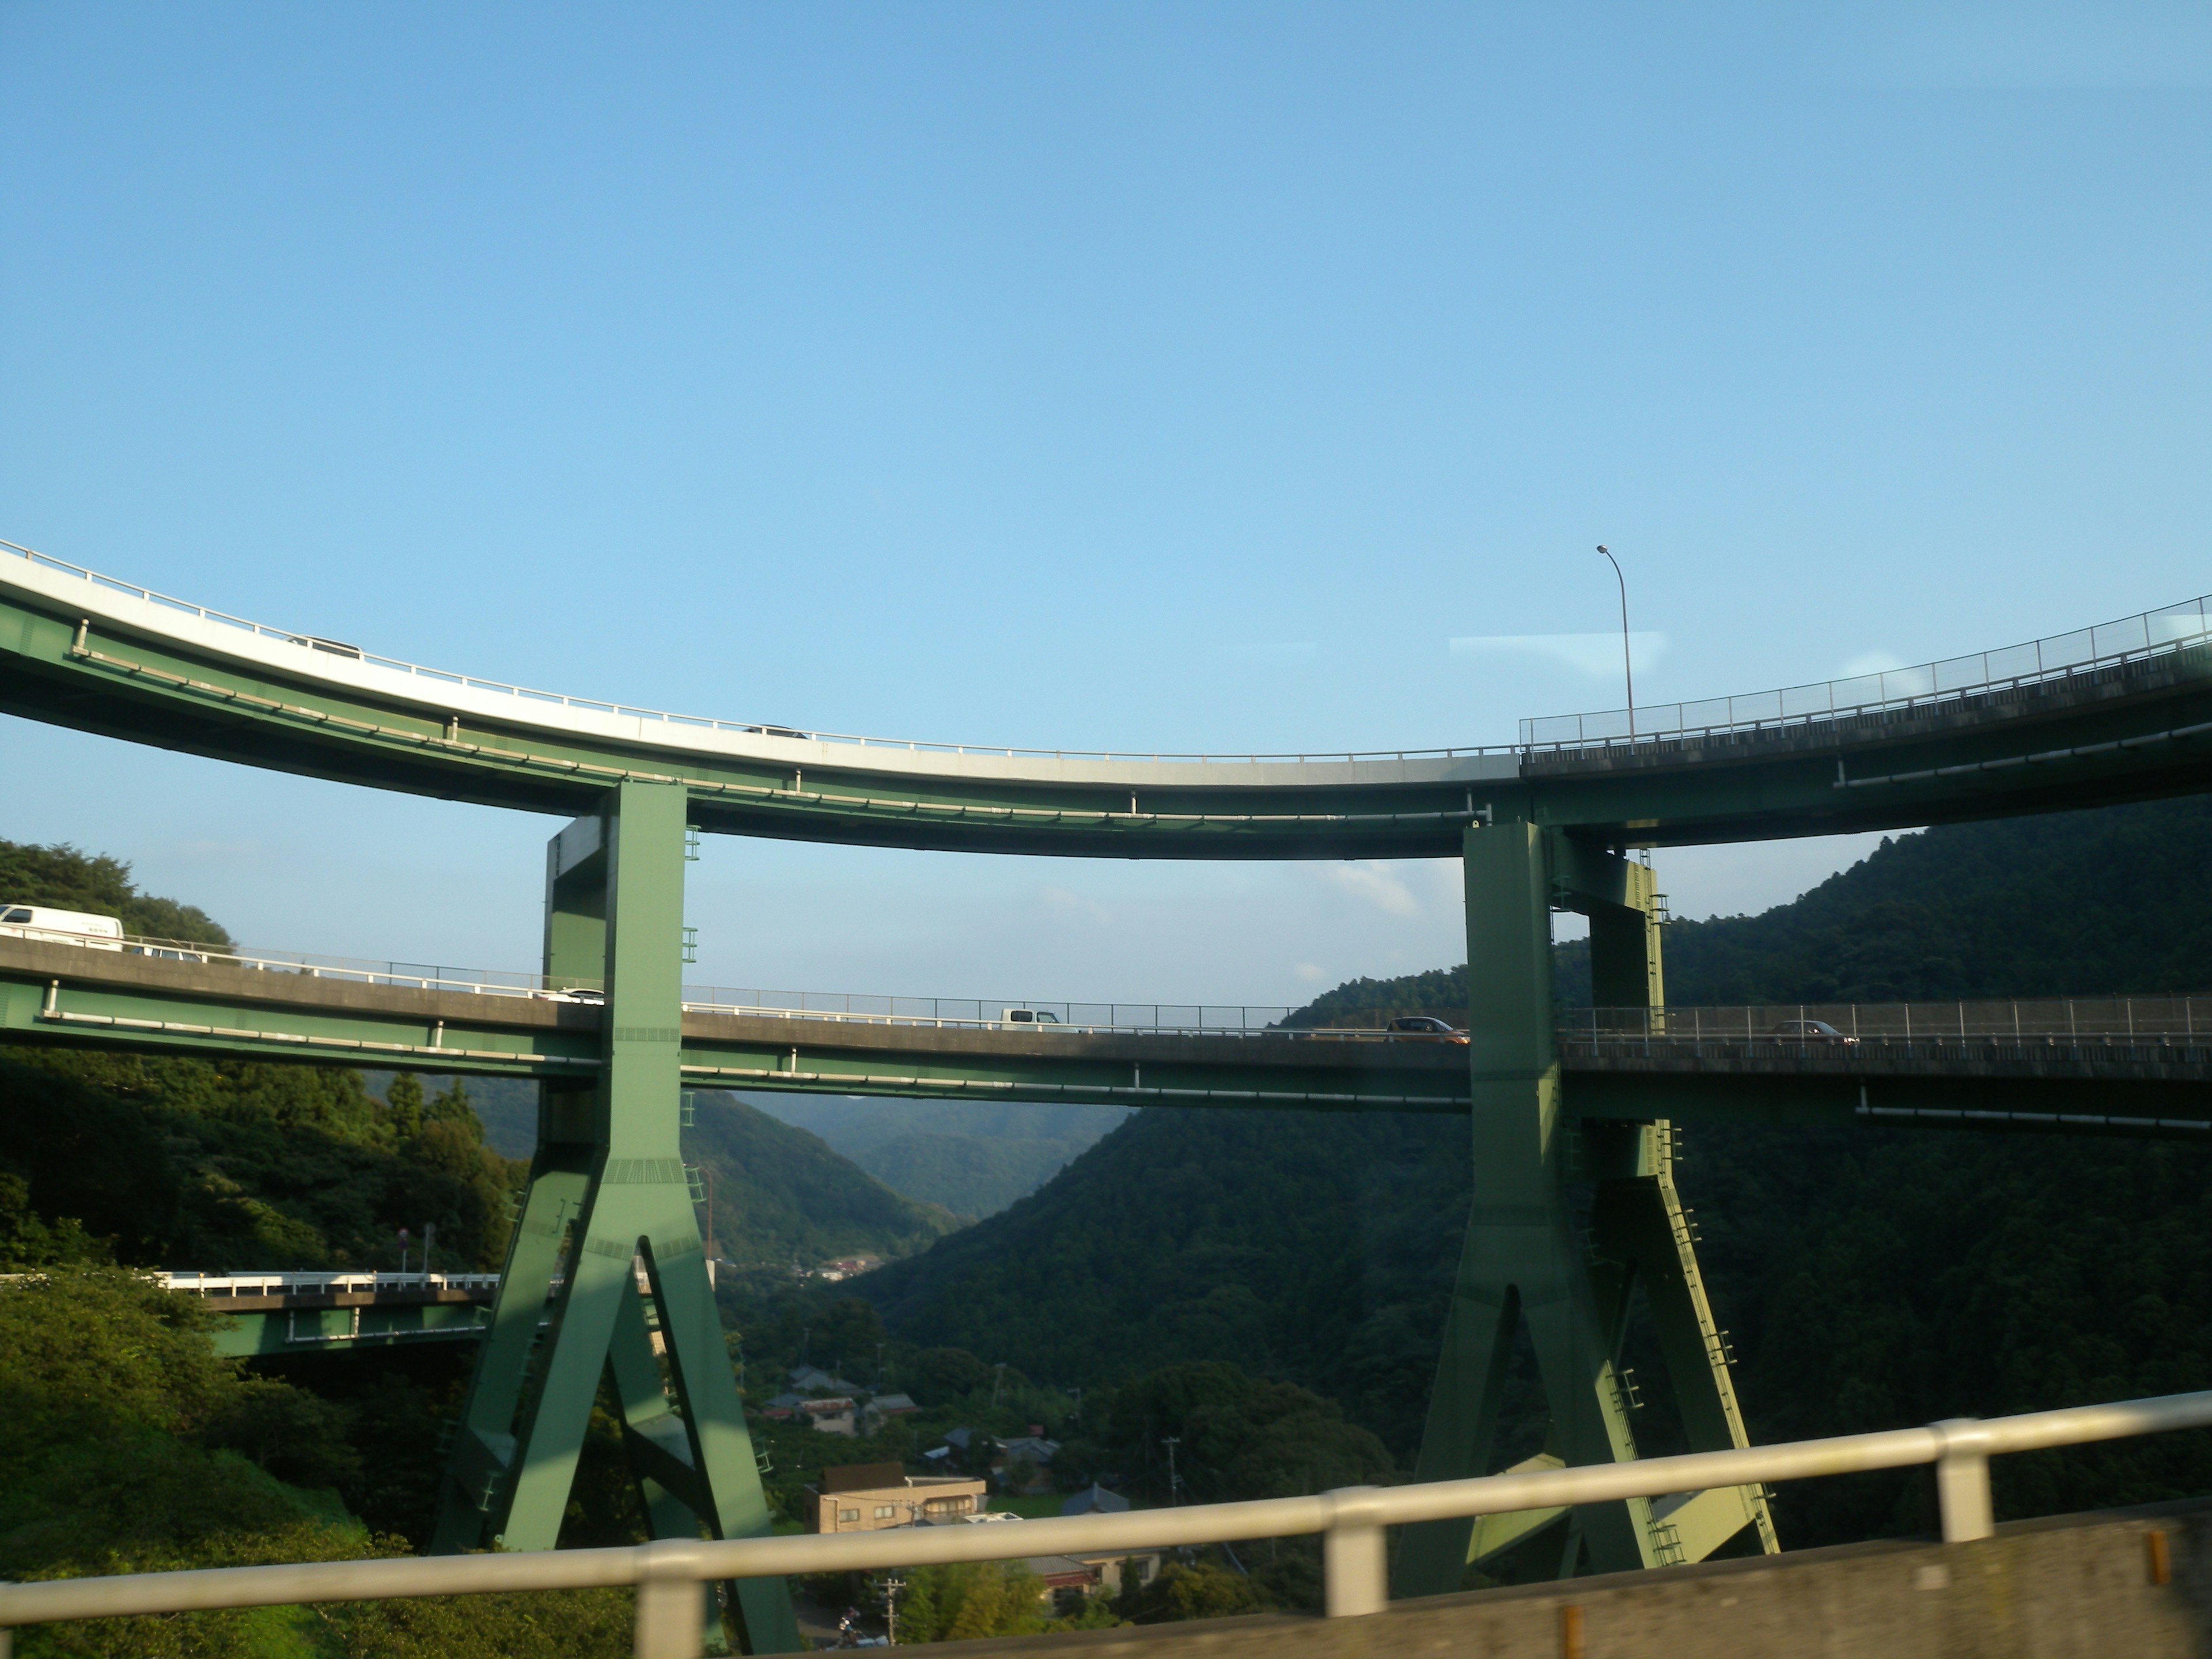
x=1870 y=1278
x=156 y=1161
x=131 y=1447
x=67 y=880
x=1311 y=1247
x=782 y=1196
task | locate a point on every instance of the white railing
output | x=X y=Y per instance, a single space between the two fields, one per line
x=414 y=975
x=752 y=728
x=1350 y=1521
x=2152 y=633
x=2149 y=634
x=1188 y=1018
x=320 y=1283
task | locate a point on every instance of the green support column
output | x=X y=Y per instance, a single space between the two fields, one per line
x=608 y=1189
x=1521 y=1258
x=1640 y=1236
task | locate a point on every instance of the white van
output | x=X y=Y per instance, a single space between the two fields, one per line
x=61 y=926
x=1027 y=1016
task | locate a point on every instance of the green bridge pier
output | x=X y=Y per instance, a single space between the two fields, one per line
x=1525 y=1257
x=607 y=1190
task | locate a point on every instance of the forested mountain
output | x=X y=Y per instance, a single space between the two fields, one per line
x=156 y=1161
x=1871 y=1278
x=781 y=1195
x=975 y=1157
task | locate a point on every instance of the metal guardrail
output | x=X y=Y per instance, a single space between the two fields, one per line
x=1351 y=1521
x=751 y=728
x=2051 y=1021
x=2152 y=633
x=1216 y=1019
x=2149 y=634
x=320 y=1284
x=416 y=976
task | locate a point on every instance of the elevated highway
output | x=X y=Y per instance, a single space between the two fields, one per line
x=1563 y=1228
x=2119 y=712
x=295 y=1313
x=2143 y=1065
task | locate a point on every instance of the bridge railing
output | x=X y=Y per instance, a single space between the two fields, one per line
x=523 y=693
x=417 y=976
x=2152 y=633
x=1192 y=1019
x=321 y=1284
x=1352 y=1523
x=2048 y=1022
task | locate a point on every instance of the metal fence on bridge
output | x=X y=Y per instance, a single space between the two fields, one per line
x=2050 y=1022
x=1005 y=1013
x=2153 y=632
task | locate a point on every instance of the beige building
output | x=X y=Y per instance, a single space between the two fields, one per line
x=869 y=1496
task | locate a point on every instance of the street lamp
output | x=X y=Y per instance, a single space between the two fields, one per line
x=1627 y=667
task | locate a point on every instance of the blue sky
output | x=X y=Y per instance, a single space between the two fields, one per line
x=1131 y=376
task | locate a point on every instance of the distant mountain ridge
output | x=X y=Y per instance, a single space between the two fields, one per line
x=975 y=1157
x=1870 y=1278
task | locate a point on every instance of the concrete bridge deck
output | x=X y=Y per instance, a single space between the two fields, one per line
x=1713 y=1064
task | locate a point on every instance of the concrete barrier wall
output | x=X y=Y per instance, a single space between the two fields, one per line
x=2073 y=1587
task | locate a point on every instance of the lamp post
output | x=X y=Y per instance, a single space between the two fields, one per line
x=1627 y=667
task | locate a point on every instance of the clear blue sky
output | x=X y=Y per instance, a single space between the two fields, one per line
x=1129 y=375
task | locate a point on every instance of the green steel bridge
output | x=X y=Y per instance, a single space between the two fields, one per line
x=295 y=1313
x=1572 y=1117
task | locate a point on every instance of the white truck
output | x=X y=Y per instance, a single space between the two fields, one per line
x=36 y=921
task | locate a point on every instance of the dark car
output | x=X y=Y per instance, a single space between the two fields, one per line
x=1423 y=1028
x=1811 y=1030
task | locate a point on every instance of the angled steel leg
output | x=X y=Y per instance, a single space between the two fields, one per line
x=610 y=1189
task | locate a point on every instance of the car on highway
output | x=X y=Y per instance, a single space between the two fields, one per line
x=1811 y=1030
x=1028 y=1016
x=49 y=927
x=1424 y=1028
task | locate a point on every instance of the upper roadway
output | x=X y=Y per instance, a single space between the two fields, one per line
x=2155 y=1078
x=2101 y=726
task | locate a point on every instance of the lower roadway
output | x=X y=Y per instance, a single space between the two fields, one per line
x=2144 y=1082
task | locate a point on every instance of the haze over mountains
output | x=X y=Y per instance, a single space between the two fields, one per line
x=974 y=1158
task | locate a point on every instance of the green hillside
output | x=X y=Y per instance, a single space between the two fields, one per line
x=69 y=880
x=781 y=1195
x=975 y=1157
x=1870 y=1278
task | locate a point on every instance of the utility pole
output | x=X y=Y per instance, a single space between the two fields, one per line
x=403 y=1251
x=891 y=1588
x=1174 y=1484
x=997 y=1376
x=1627 y=666
x=429 y=1244
x=879 y=1368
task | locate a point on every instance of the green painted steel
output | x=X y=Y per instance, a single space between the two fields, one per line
x=1524 y=1258
x=607 y=1190
x=76 y=654
x=1535 y=828
x=259 y=1331
x=62 y=995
